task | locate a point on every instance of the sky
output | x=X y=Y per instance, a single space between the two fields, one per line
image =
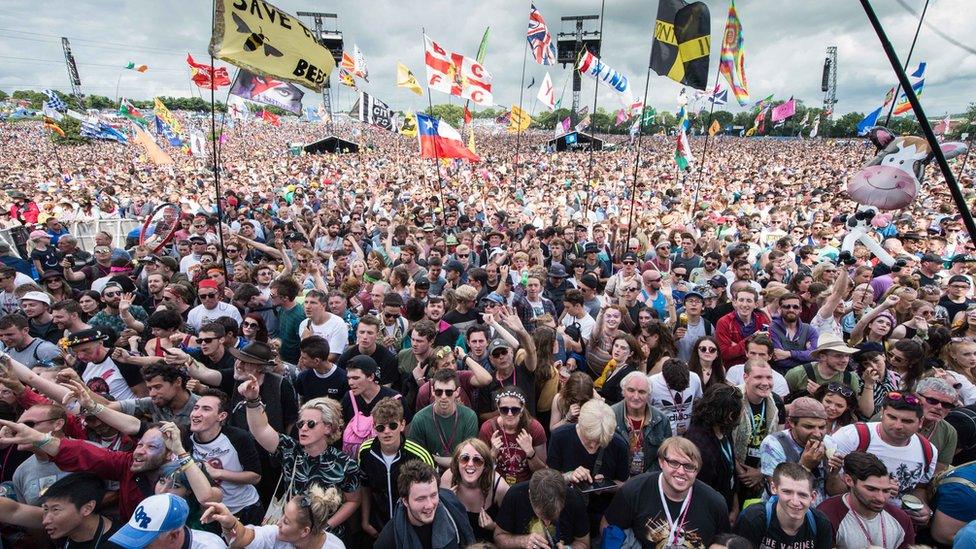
x=785 y=44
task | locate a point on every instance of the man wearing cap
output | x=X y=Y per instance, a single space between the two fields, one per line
x=832 y=356
x=37 y=307
x=626 y=277
x=591 y=261
x=211 y=307
x=955 y=299
x=198 y=245
x=793 y=339
x=929 y=269
x=512 y=367
x=804 y=441
x=557 y=284
x=453 y=273
x=100 y=372
x=653 y=296
x=160 y=522
x=118 y=312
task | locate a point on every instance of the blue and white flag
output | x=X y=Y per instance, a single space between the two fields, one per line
x=163 y=129
x=868 y=122
x=719 y=98
x=101 y=130
x=54 y=101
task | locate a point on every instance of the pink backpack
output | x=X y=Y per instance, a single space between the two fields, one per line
x=358 y=430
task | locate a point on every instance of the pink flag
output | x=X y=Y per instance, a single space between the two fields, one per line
x=567 y=124
x=621 y=116
x=784 y=111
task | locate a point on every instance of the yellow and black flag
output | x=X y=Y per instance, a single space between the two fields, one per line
x=682 y=40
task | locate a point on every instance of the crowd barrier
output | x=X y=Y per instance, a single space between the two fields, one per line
x=84 y=231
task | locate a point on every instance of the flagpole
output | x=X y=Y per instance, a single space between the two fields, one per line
x=957 y=197
x=894 y=100
x=701 y=163
x=213 y=150
x=518 y=136
x=640 y=138
x=596 y=92
x=965 y=159
x=430 y=105
x=220 y=146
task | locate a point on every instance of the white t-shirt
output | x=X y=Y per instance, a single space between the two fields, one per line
x=200 y=315
x=108 y=372
x=905 y=463
x=735 y=374
x=221 y=453
x=266 y=537
x=206 y=540
x=677 y=410
x=586 y=324
x=335 y=331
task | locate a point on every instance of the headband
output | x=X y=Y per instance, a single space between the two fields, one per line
x=510 y=393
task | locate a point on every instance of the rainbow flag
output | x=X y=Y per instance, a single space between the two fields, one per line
x=903 y=105
x=732 y=63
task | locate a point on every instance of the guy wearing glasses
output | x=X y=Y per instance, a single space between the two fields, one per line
x=380 y=460
x=708 y=270
x=38 y=472
x=793 y=340
x=211 y=307
x=955 y=300
x=198 y=245
x=628 y=276
x=938 y=398
x=443 y=425
x=671 y=508
x=896 y=439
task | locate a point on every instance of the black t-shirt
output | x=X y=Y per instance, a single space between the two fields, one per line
x=637 y=505
x=101 y=541
x=517 y=517
x=566 y=453
x=521 y=376
x=386 y=360
x=952 y=307
x=758 y=432
x=448 y=337
x=752 y=526
x=364 y=408
x=312 y=385
x=454 y=318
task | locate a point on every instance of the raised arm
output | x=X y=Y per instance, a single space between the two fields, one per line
x=194 y=368
x=837 y=292
x=202 y=489
x=511 y=318
x=125 y=423
x=857 y=334
x=257 y=421
x=47 y=387
x=481 y=376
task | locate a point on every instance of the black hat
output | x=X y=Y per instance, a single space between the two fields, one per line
x=364 y=363
x=932 y=258
x=590 y=281
x=630 y=256
x=89 y=335
x=197 y=239
x=591 y=248
x=255 y=352
x=963 y=258
x=422 y=284
x=959 y=278
x=718 y=281
x=454 y=265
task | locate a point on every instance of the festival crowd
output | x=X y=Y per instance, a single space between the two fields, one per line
x=533 y=351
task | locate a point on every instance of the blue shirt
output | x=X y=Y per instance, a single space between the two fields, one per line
x=957 y=500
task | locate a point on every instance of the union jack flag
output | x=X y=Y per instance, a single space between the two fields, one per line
x=543 y=49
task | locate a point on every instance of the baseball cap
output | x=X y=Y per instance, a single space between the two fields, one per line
x=932 y=258
x=718 y=281
x=494 y=297
x=155 y=515
x=963 y=258
x=498 y=343
x=958 y=278
x=630 y=256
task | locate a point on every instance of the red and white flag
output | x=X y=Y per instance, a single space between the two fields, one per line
x=547 y=95
x=455 y=74
x=439 y=140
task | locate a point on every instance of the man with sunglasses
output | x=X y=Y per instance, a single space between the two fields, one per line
x=443 y=425
x=627 y=277
x=896 y=439
x=211 y=307
x=119 y=312
x=708 y=270
x=380 y=460
x=938 y=398
x=671 y=508
x=37 y=472
x=793 y=339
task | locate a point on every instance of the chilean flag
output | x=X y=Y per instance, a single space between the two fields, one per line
x=439 y=140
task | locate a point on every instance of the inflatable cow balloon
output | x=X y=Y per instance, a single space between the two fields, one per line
x=889 y=181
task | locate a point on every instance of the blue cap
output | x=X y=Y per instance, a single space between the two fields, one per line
x=154 y=516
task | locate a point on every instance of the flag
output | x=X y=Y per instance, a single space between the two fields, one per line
x=157 y=155
x=138 y=68
x=519 y=120
x=732 y=63
x=312 y=114
x=903 y=105
x=409 y=127
x=52 y=125
x=51 y=113
x=784 y=110
x=237 y=108
x=806 y=118
x=471 y=143
x=583 y=111
x=752 y=131
x=591 y=66
x=346 y=79
x=162 y=112
x=504 y=118
x=683 y=123
x=761 y=104
x=648 y=116
x=720 y=97
x=269 y=117
x=163 y=129
x=944 y=126
x=563 y=127
x=868 y=122
x=375 y=112
x=127 y=110
x=455 y=74
x=540 y=41
x=268 y=91
x=206 y=76
x=816 y=126
x=583 y=124
x=467 y=116
x=761 y=121
x=439 y=140
x=547 y=95
x=267 y=41
x=890 y=96
x=483 y=47
x=54 y=103
x=96 y=129
x=682 y=39
x=361 y=70
x=622 y=116
x=714 y=128
x=406 y=79
x=198 y=147
x=532 y=83
x=682 y=152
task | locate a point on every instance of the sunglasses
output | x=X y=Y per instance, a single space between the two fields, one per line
x=632 y=289
x=250 y=325
x=790 y=307
x=907 y=398
x=310 y=423
x=629 y=262
x=208 y=295
x=842 y=390
x=444 y=392
x=465 y=459
x=706 y=349
x=392 y=426
x=206 y=339
x=232 y=250
x=509 y=410
x=936 y=402
x=111 y=294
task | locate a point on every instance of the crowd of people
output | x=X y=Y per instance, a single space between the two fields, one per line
x=533 y=351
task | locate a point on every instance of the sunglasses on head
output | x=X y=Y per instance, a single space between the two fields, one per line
x=305 y=502
x=465 y=459
x=392 y=426
x=907 y=398
x=310 y=423
x=34 y=423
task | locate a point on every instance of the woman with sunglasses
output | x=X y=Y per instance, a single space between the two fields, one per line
x=966 y=326
x=312 y=458
x=58 y=288
x=706 y=362
x=253 y=328
x=518 y=441
x=656 y=343
x=479 y=487
x=923 y=314
x=839 y=402
x=301 y=525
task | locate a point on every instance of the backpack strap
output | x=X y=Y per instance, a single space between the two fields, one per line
x=771 y=506
x=863 y=436
x=808 y=369
x=927 y=452
x=355 y=406
x=959 y=480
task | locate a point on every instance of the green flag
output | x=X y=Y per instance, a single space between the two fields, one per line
x=483 y=48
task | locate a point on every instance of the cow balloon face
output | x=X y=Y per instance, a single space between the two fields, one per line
x=890 y=181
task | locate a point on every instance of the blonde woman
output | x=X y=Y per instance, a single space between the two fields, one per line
x=959 y=357
x=301 y=526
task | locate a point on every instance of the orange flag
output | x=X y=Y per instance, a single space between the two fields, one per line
x=157 y=155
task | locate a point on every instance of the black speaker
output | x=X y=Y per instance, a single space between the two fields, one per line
x=824 y=82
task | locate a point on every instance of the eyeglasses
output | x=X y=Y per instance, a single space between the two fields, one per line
x=499 y=353
x=390 y=315
x=384 y=426
x=936 y=402
x=907 y=398
x=708 y=349
x=305 y=502
x=842 y=390
x=310 y=423
x=250 y=325
x=629 y=262
x=465 y=459
x=34 y=423
x=675 y=464
x=632 y=289
x=444 y=392
x=208 y=295
x=206 y=339
x=102 y=250
x=509 y=410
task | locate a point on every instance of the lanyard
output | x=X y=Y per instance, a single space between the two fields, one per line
x=725 y=445
x=762 y=419
x=674 y=533
x=448 y=444
x=861 y=525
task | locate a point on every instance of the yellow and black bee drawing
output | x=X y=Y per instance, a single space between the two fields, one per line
x=255 y=40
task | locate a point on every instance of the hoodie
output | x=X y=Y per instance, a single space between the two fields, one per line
x=451 y=529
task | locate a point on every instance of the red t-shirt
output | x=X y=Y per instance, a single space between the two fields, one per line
x=512 y=463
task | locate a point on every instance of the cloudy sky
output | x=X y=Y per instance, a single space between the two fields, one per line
x=785 y=44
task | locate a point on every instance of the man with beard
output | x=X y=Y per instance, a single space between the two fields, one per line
x=330 y=241
x=787 y=519
x=155 y=284
x=118 y=312
x=447 y=334
x=67 y=317
x=37 y=308
x=446 y=423
x=168 y=400
x=136 y=471
x=793 y=339
x=99 y=371
x=670 y=508
x=802 y=442
x=863 y=516
x=37 y=472
x=178 y=298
